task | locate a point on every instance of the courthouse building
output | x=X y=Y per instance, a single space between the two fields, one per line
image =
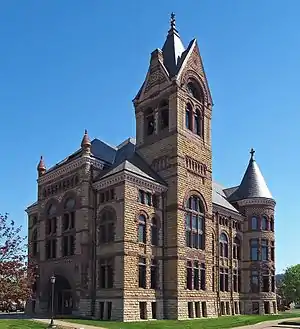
x=141 y=230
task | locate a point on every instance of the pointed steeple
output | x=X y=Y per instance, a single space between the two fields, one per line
x=172 y=49
x=41 y=167
x=86 y=143
x=253 y=184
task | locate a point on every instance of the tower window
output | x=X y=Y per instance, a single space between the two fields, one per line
x=198 y=123
x=254 y=250
x=195 y=91
x=254 y=223
x=164 y=114
x=188 y=114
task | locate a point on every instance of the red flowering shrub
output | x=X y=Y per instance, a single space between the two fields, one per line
x=16 y=277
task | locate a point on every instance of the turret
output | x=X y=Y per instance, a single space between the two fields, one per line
x=256 y=202
x=41 y=167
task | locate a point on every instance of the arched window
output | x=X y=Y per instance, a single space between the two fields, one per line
x=195 y=91
x=236 y=248
x=223 y=245
x=51 y=210
x=264 y=223
x=51 y=220
x=198 y=123
x=51 y=226
x=188 y=116
x=142 y=229
x=149 y=122
x=254 y=223
x=107 y=226
x=154 y=231
x=164 y=115
x=34 y=243
x=69 y=215
x=68 y=226
x=194 y=223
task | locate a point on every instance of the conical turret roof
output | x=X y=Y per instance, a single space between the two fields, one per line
x=253 y=184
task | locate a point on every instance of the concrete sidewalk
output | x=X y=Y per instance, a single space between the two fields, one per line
x=67 y=325
x=263 y=325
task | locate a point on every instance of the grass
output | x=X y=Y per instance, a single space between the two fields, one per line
x=20 y=324
x=215 y=323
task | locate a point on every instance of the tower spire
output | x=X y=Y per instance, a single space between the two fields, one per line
x=173 y=22
x=173 y=48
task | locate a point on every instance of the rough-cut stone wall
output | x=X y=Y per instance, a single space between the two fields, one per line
x=257 y=208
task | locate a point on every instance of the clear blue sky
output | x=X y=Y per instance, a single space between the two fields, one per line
x=70 y=65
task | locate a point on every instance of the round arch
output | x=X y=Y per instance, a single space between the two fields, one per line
x=195 y=193
x=52 y=202
x=65 y=298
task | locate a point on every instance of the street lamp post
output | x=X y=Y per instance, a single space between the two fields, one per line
x=52 y=280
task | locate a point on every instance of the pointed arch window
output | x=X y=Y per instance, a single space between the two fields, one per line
x=107 y=226
x=194 y=223
x=223 y=245
x=188 y=116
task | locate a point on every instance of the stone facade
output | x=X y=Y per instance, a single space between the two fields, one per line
x=150 y=235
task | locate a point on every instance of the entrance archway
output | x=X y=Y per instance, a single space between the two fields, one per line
x=63 y=296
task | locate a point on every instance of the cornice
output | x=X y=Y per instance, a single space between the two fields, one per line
x=32 y=209
x=130 y=178
x=224 y=211
x=68 y=167
x=257 y=201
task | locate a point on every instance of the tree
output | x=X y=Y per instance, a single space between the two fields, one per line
x=290 y=285
x=16 y=277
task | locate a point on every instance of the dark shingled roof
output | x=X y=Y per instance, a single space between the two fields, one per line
x=172 y=50
x=253 y=184
x=219 y=197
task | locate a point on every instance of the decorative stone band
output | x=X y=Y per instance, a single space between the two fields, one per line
x=131 y=178
x=68 y=167
x=257 y=201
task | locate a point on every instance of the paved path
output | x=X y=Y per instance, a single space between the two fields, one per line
x=64 y=324
x=263 y=325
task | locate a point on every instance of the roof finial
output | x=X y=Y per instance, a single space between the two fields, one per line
x=173 y=21
x=41 y=167
x=252 y=154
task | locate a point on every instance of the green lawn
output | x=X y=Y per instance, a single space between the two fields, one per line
x=216 y=323
x=20 y=324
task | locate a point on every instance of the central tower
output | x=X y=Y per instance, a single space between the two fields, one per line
x=173 y=111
